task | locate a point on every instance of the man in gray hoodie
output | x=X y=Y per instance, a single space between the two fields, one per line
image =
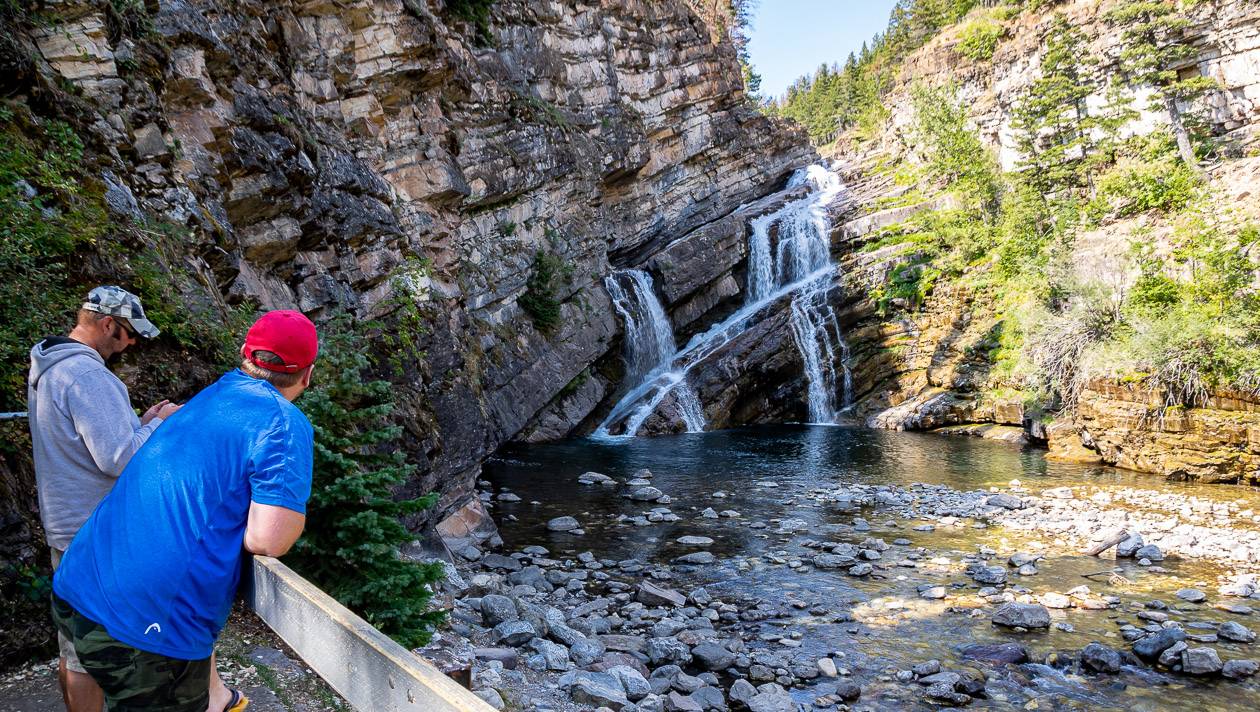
x=84 y=432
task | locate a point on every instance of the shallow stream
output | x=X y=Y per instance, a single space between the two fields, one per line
x=769 y=475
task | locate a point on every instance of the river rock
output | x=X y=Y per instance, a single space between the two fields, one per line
x=694 y=540
x=709 y=513
x=1022 y=615
x=1100 y=658
x=947 y=678
x=773 y=700
x=1240 y=669
x=650 y=594
x=632 y=681
x=696 y=558
x=932 y=593
x=1150 y=647
x=594 y=478
x=514 y=633
x=1051 y=599
x=501 y=562
x=586 y=652
x=563 y=524
x=832 y=561
x=862 y=569
x=1236 y=632
x=1127 y=548
x=1149 y=552
x=646 y=494
x=742 y=691
x=1191 y=595
x=944 y=692
x=661 y=651
x=713 y=656
x=1005 y=501
x=553 y=656
x=1200 y=661
x=827 y=667
x=497 y=609
x=1011 y=653
x=677 y=702
x=848 y=690
x=599 y=689
x=990 y=575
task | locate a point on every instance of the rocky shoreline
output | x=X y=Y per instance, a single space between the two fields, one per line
x=558 y=633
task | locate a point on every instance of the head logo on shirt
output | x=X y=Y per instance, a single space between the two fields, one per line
x=153 y=627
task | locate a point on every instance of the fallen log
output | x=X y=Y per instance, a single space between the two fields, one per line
x=1105 y=544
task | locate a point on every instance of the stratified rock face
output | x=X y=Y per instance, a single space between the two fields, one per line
x=354 y=154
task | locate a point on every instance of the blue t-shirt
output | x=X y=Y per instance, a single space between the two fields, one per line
x=158 y=561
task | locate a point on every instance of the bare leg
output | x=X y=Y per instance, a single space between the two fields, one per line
x=220 y=695
x=79 y=691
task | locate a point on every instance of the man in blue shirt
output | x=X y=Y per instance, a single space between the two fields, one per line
x=148 y=582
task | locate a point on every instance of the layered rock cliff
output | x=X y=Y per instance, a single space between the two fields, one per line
x=390 y=159
x=929 y=366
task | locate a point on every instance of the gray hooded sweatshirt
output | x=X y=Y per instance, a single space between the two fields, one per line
x=83 y=430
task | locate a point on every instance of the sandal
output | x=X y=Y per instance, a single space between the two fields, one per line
x=237 y=703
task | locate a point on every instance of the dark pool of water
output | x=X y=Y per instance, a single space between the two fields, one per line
x=767 y=474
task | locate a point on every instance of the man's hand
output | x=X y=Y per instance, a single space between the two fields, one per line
x=162 y=409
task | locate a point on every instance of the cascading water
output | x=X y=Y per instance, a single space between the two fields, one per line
x=650 y=345
x=788 y=254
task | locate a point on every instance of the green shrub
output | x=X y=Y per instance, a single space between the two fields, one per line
x=539 y=300
x=910 y=282
x=48 y=212
x=978 y=39
x=476 y=12
x=1135 y=187
x=953 y=152
x=354 y=521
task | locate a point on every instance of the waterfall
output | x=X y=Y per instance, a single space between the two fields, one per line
x=649 y=345
x=788 y=254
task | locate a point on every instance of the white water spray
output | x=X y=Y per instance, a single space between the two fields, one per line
x=788 y=254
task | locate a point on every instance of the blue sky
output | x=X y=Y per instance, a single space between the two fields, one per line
x=792 y=37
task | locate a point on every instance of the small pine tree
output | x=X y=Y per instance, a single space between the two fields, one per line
x=1154 y=50
x=1052 y=124
x=354 y=529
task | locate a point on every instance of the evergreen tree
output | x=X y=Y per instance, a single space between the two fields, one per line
x=354 y=528
x=1052 y=123
x=1154 y=50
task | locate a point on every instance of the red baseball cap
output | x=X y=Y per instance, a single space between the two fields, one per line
x=286 y=333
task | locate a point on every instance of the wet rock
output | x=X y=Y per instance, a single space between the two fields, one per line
x=1240 y=669
x=1011 y=653
x=827 y=667
x=1022 y=615
x=514 y=633
x=943 y=692
x=713 y=656
x=710 y=698
x=694 y=540
x=646 y=494
x=1150 y=647
x=1236 y=632
x=650 y=594
x=1172 y=657
x=971 y=683
x=931 y=667
x=862 y=569
x=696 y=558
x=563 y=524
x=832 y=561
x=932 y=593
x=848 y=690
x=1100 y=658
x=1149 y=552
x=946 y=678
x=584 y=653
x=1191 y=595
x=501 y=562
x=1200 y=661
x=709 y=513
x=990 y=575
x=594 y=478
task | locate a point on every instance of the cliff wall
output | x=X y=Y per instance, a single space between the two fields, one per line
x=390 y=159
x=931 y=365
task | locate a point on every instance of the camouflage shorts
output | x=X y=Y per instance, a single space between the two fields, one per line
x=132 y=679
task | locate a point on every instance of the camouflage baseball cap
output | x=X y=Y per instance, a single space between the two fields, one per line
x=116 y=301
